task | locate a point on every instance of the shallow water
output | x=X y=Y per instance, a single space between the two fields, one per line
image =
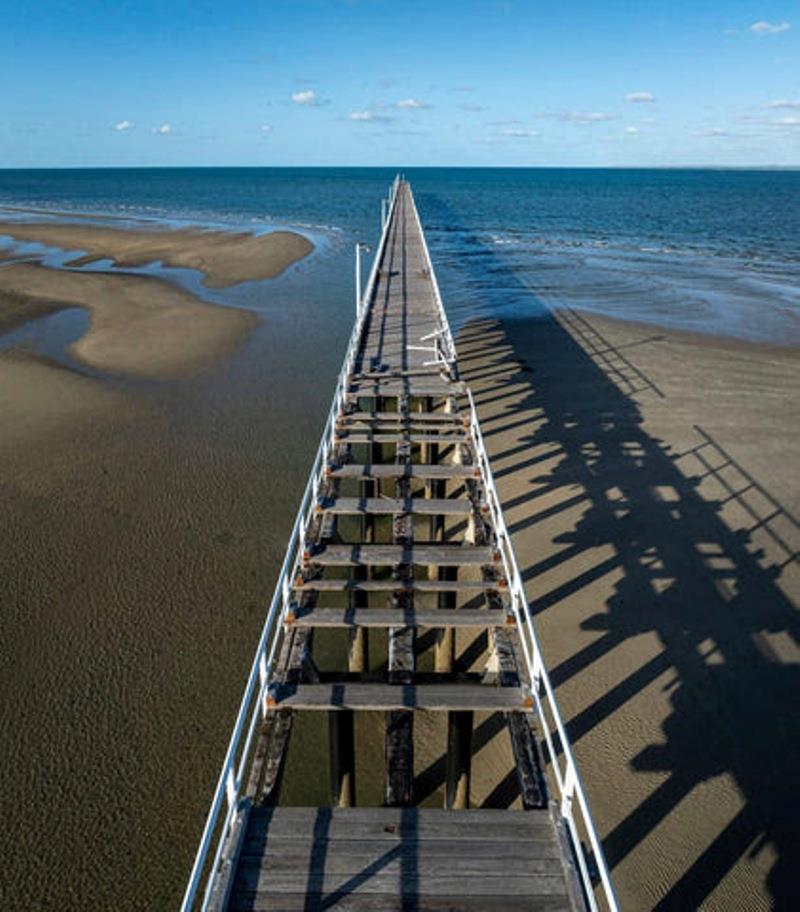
x=707 y=251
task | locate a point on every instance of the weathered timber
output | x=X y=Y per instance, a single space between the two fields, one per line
x=356 y=470
x=356 y=696
x=447 y=555
x=391 y=505
x=394 y=617
x=394 y=388
x=399 y=785
x=389 y=585
x=400 y=858
x=459 y=760
x=430 y=417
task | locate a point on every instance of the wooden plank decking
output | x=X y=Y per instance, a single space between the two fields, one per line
x=382 y=859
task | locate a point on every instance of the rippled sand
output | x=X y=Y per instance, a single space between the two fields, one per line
x=650 y=483
x=142 y=525
x=224 y=257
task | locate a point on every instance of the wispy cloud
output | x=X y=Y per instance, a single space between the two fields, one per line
x=769 y=28
x=580 y=117
x=640 y=97
x=164 y=130
x=368 y=117
x=266 y=128
x=124 y=125
x=520 y=132
x=411 y=104
x=791 y=120
x=308 y=98
x=791 y=104
x=631 y=131
x=712 y=131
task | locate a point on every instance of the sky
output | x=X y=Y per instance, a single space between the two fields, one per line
x=399 y=83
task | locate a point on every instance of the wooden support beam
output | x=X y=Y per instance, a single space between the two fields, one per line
x=341 y=733
x=266 y=771
x=399 y=789
x=459 y=760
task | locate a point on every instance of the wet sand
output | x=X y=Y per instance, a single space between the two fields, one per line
x=142 y=526
x=140 y=325
x=224 y=257
x=133 y=567
x=650 y=482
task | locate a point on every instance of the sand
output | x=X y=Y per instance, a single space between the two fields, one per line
x=224 y=257
x=140 y=325
x=141 y=528
x=650 y=483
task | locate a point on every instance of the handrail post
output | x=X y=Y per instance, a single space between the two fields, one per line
x=358 y=278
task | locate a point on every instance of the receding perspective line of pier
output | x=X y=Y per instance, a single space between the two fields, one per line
x=400 y=529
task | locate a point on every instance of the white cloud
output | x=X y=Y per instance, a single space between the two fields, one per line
x=791 y=104
x=368 y=117
x=632 y=130
x=769 y=28
x=520 y=133
x=412 y=103
x=163 y=130
x=124 y=125
x=266 y=128
x=581 y=117
x=790 y=120
x=640 y=97
x=307 y=97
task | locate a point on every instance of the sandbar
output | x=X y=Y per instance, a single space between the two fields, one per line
x=224 y=257
x=140 y=325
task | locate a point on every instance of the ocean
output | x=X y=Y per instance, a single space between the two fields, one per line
x=711 y=251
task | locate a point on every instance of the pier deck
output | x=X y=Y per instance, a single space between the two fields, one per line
x=401 y=529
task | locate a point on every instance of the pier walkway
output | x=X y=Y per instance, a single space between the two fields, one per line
x=400 y=529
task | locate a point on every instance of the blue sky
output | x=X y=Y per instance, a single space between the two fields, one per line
x=399 y=82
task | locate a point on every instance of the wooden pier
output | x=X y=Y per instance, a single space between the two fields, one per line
x=402 y=530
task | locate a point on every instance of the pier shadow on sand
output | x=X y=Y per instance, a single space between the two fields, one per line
x=709 y=593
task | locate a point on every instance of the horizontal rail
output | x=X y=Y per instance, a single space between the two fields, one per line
x=253 y=704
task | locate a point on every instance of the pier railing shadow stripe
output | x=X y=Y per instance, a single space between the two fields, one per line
x=741 y=707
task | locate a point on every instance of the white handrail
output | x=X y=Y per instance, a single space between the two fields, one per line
x=231 y=775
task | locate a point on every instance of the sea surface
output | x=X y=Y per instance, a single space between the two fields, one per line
x=712 y=251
